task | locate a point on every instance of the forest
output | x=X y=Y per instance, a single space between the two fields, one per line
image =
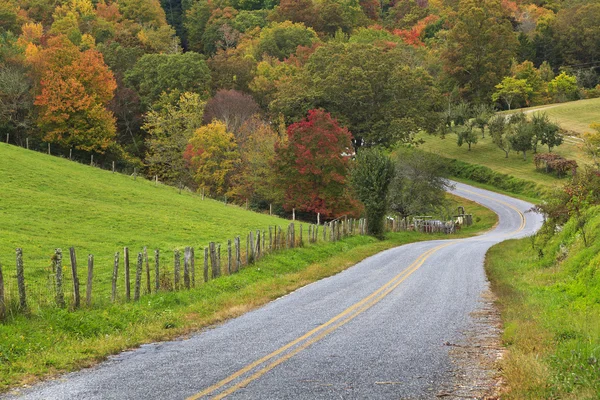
x=268 y=102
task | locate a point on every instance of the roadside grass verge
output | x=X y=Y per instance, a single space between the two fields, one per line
x=55 y=340
x=549 y=296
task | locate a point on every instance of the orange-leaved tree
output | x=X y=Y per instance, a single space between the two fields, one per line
x=313 y=166
x=74 y=88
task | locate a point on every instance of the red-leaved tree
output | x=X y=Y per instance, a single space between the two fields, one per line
x=313 y=166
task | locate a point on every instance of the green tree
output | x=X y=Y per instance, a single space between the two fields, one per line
x=280 y=40
x=547 y=132
x=498 y=127
x=170 y=124
x=512 y=89
x=419 y=184
x=467 y=135
x=564 y=87
x=380 y=96
x=212 y=155
x=154 y=74
x=482 y=114
x=371 y=177
x=481 y=45
x=521 y=138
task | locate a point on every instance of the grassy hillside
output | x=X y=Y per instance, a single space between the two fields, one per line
x=575 y=116
x=486 y=153
x=549 y=294
x=48 y=202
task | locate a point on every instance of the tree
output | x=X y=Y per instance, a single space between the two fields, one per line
x=374 y=92
x=256 y=179
x=466 y=135
x=297 y=11
x=154 y=74
x=313 y=166
x=546 y=132
x=481 y=45
x=482 y=113
x=74 y=89
x=419 y=184
x=577 y=33
x=231 y=70
x=521 y=138
x=170 y=124
x=16 y=102
x=511 y=89
x=498 y=126
x=371 y=177
x=564 y=87
x=211 y=156
x=280 y=40
x=231 y=107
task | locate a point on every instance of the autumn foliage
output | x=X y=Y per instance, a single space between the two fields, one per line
x=75 y=87
x=313 y=166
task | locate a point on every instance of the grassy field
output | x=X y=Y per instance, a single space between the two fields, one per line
x=486 y=153
x=48 y=202
x=549 y=295
x=575 y=116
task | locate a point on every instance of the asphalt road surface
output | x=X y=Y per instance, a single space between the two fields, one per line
x=374 y=331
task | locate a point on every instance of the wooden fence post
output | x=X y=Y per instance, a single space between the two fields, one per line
x=113 y=167
x=177 y=267
x=21 y=280
x=258 y=249
x=138 y=276
x=75 y=278
x=318 y=218
x=213 y=260
x=206 y=264
x=229 y=257
x=27 y=143
x=127 y=281
x=157 y=270
x=186 y=267
x=270 y=239
x=148 y=283
x=90 y=276
x=2 y=298
x=193 y=266
x=58 y=278
x=219 y=258
x=48 y=148
x=301 y=242
x=238 y=254
x=114 y=278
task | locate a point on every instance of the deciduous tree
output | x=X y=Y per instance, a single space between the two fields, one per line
x=211 y=156
x=313 y=166
x=372 y=174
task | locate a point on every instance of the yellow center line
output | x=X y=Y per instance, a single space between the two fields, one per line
x=523 y=220
x=419 y=261
x=312 y=341
x=334 y=323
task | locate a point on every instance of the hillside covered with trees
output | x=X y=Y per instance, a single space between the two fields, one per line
x=264 y=101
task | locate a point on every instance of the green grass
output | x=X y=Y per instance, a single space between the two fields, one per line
x=549 y=295
x=48 y=202
x=487 y=154
x=50 y=340
x=575 y=116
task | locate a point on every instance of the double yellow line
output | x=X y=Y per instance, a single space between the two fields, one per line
x=521 y=215
x=282 y=354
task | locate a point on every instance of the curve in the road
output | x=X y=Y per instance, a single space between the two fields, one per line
x=375 y=330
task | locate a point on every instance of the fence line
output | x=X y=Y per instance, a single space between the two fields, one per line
x=259 y=243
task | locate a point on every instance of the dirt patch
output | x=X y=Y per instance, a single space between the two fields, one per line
x=476 y=373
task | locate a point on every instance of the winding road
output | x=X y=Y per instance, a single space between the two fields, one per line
x=374 y=331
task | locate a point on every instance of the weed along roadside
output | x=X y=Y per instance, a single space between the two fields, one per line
x=63 y=339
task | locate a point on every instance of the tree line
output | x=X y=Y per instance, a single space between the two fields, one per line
x=273 y=101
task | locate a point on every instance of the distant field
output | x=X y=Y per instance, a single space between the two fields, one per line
x=486 y=153
x=48 y=202
x=576 y=116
